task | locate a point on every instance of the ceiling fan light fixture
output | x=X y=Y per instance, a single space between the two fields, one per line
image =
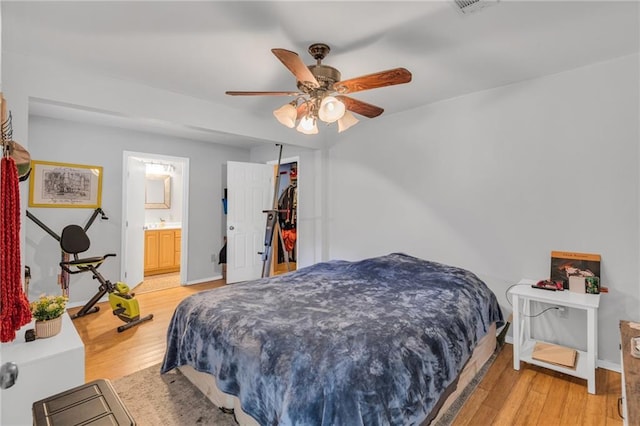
x=287 y=114
x=322 y=93
x=346 y=121
x=307 y=125
x=331 y=109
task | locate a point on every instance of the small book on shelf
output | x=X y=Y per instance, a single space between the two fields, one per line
x=555 y=354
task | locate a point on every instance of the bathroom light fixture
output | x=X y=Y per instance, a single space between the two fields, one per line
x=152 y=167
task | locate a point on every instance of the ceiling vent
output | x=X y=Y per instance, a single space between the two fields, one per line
x=470 y=6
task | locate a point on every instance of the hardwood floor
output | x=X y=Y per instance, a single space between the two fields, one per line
x=158 y=282
x=111 y=355
x=541 y=397
x=533 y=396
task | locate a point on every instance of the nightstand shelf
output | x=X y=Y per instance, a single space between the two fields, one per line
x=523 y=343
x=581 y=370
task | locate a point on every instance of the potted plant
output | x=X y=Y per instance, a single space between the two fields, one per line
x=47 y=311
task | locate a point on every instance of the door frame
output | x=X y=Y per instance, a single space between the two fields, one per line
x=184 y=240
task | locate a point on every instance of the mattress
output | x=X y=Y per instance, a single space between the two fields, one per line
x=480 y=356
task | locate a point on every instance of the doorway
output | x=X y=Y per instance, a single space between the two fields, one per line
x=251 y=192
x=154 y=227
x=284 y=244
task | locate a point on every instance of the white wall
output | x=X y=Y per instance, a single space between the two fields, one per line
x=78 y=143
x=495 y=180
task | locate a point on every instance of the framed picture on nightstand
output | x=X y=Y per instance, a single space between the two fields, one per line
x=566 y=264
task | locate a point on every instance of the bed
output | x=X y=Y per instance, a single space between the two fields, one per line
x=381 y=341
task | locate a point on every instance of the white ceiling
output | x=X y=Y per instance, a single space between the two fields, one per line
x=204 y=48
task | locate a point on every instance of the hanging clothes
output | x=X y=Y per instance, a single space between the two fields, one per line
x=287 y=218
x=287 y=205
x=222 y=256
x=289 y=239
x=14 y=305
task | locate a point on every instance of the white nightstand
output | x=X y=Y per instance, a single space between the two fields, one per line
x=523 y=344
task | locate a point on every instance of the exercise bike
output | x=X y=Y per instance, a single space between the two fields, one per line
x=74 y=240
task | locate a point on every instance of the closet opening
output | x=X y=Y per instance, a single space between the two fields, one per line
x=285 y=247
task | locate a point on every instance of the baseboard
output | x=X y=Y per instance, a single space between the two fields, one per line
x=204 y=280
x=600 y=363
x=608 y=365
x=70 y=305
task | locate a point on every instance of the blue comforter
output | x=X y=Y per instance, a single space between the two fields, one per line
x=372 y=342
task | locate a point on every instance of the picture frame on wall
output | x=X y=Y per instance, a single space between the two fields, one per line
x=65 y=185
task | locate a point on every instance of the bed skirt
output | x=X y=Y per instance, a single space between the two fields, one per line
x=207 y=383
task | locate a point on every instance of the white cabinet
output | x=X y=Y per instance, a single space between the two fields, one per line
x=523 y=343
x=45 y=367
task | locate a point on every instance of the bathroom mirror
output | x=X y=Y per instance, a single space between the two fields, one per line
x=157 y=192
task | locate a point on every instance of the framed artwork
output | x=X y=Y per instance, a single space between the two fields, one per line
x=566 y=264
x=65 y=185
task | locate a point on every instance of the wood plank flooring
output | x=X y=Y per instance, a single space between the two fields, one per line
x=111 y=355
x=533 y=396
x=541 y=397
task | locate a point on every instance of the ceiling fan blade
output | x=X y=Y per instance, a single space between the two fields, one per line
x=292 y=61
x=360 y=107
x=373 y=81
x=232 y=93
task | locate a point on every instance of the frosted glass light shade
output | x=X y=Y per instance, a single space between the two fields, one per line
x=346 y=121
x=286 y=115
x=331 y=109
x=307 y=126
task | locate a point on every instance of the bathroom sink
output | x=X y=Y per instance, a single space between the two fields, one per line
x=163 y=225
x=171 y=225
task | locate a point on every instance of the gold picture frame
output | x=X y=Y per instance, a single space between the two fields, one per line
x=65 y=185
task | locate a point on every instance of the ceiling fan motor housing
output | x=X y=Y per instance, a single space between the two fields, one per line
x=325 y=75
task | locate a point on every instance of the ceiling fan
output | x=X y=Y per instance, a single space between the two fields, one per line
x=322 y=94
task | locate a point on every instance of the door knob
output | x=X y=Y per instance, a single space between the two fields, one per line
x=8 y=375
x=231 y=228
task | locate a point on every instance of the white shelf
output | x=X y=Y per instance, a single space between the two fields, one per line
x=523 y=343
x=581 y=370
x=564 y=298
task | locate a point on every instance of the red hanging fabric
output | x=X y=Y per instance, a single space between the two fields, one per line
x=14 y=305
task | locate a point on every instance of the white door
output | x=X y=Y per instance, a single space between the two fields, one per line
x=133 y=247
x=249 y=193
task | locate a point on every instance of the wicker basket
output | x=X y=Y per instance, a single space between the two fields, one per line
x=48 y=328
